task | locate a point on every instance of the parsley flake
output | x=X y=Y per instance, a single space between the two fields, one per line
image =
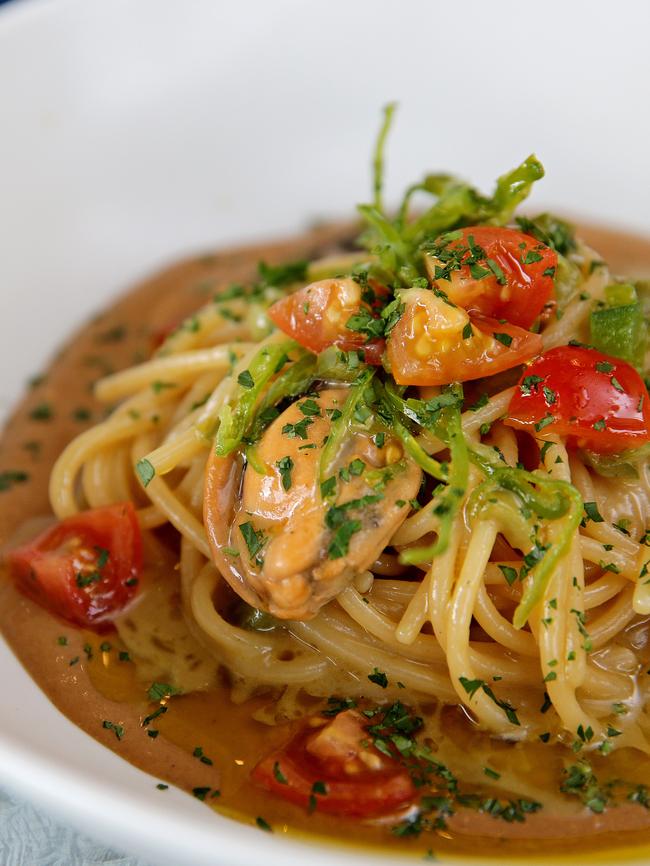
x=379 y=678
x=245 y=379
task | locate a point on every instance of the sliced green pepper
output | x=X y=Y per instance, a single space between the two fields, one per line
x=620 y=330
x=236 y=418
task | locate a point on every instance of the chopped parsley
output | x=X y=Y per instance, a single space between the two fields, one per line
x=263 y=824
x=282 y=275
x=298 y=430
x=145 y=470
x=328 y=487
x=118 y=730
x=309 y=408
x=581 y=782
x=379 y=678
x=157 y=386
x=472 y=686
x=340 y=542
x=160 y=691
x=506 y=339
x=592 y=512
x=482 y=401
x=510 y=573
x=529 y=385
x=550 y=396
x=160 y=711
x=203 y=758
x=245 y=379
x=580 y=623
x=544 y=422
x=42 y=412
x=337 y=520
x=365 y=323
x=81 y=414
x=616 y=384
x=10 y=477
x=113 y=335
x=278 y=775
x=338 y=705
x=255 y=540
x=285 y=465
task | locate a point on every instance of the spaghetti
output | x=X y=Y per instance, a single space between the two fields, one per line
x=380 y=619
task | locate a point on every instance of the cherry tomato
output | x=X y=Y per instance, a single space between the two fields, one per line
x=159 y=336
x=600 y=402
x=84 y=568
x=316 y=316
x=493 y=271
x=436 y=342
x=330 y=768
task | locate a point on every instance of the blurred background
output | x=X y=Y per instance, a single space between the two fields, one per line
x=135 y=131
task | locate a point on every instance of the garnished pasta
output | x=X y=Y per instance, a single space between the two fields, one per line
x=423 y=461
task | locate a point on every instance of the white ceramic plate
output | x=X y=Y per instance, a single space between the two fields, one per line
x=135 y=131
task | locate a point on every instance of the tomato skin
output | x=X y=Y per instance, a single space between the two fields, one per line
x=427 y=347
x=316 y=316
x=527 y=285
x=47 y=568
x=360 y=791
x=584 y=396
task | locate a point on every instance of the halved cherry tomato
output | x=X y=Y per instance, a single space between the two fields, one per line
x=597 y=400
x=436 y=342
x=159 y=336
x=316 y=316
x=493 y=271
x=355 y=780
x=84 y=568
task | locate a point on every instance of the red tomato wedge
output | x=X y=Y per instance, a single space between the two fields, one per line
x=436 y=342
x=84 y=568
x=329 y=768
x=493 y=271
x=316 y=316
x=597 y=400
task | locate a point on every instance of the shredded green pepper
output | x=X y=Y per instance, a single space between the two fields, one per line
x=396 y=243
x=625 y=464
x=619 y=329
x=378 y=161
x=391 y=406
x=335 y=365
x=234 y=421
x=450 y=430
x=292 y=382
x=255 y=461
x=460 y=204
x=342 y=425
x=553 y=500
